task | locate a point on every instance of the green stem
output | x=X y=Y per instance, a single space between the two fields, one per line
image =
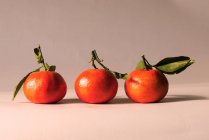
x=99 y=61
x=93 y=64
x=44 y=64
x=95 y=57
x=93 y=54
x=146 y=63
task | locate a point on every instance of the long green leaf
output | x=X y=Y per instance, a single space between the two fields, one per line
x=171 y=60
x=174 y=65
x=19 y=85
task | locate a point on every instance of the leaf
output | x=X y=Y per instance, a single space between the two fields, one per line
x=39 y=55
x=172 y=59
x=120 y=75
x=19 y=85
x=183 y=68
x=52 y=68
x=174 y=65
x=140 y=65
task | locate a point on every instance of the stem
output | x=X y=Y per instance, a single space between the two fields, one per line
x=45 y=68
x=95 y=57
x=99 y=61
x=146 y=63
x=93 y=64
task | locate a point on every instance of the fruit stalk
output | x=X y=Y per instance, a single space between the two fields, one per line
x=146 y=63
x=45 y=68
x=99 y=61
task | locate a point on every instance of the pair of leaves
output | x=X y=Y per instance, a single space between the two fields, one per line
x=170 y=65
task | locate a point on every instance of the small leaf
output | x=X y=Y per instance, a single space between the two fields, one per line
x=120 y=75
x=174 y=65
x=19 y=85
x=39 y=55
x=140 y=65
x=125 y=77
x=52 y=68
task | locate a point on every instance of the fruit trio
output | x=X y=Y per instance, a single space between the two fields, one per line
x=145 y=84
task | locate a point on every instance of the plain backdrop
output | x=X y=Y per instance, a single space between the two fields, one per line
x=120 y=30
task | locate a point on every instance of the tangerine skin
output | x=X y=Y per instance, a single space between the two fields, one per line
x=96 y=86
x=146 y=86
x=45 y=87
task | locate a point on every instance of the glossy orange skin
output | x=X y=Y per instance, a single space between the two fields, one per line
x=45 y=87
x=96 y=86
x=146 y=86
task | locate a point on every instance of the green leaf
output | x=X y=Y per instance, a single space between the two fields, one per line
x=120 y=75
x=19 y=85
x=140 y=65
x=52 y=68
x=39 y=55
x=172 y=59
x=183 y=68
x=174 y=65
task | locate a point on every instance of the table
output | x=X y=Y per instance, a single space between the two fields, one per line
x=182 y=115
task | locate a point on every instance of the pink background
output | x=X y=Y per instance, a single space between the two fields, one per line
x=120 y=30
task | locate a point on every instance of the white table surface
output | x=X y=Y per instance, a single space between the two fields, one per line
x=182 y=115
